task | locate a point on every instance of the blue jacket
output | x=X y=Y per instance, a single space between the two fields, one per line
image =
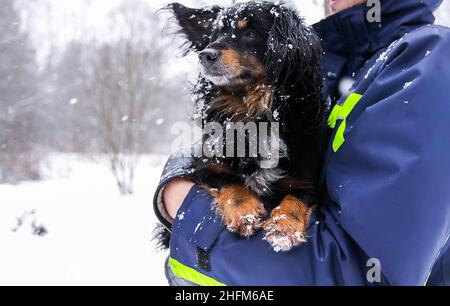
x=387 y=171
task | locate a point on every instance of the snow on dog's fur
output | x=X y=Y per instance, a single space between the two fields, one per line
x=260 y=63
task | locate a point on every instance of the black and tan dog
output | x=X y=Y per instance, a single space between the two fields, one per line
x=260 y=63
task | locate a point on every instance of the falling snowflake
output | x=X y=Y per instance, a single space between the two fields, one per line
x=276 y=114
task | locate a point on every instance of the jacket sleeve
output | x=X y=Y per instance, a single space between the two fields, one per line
x=203 y=252
x=179 y=165
x=390 y=181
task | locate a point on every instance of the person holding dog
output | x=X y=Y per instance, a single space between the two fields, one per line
x=385 y=212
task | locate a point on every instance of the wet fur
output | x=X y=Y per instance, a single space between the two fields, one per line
x=290 y=84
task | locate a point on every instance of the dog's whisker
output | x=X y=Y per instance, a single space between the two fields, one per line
x=248 y=69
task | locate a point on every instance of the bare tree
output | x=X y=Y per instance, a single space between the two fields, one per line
x=124 y=85
x=18 y=160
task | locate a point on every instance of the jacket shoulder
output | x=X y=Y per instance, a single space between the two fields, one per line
x=435 y=34
x=432 y=29
x=423 y=49
x=426 y=38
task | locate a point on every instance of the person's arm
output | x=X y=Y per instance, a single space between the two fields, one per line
x=389 y=181
x=389 y=198
x=174 y=194
x=173 y=187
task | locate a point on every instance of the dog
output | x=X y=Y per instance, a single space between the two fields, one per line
x=260 y=63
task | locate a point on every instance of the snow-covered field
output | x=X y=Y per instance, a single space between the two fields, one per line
x=95 y=236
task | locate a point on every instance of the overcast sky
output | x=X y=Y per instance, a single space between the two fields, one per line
x=69 y=19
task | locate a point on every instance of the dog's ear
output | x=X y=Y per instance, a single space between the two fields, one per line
x=293 y=48
x=196 y=24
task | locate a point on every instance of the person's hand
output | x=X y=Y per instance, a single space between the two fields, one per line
x=174 y=194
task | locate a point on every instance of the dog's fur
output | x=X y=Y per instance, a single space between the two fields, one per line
x=264 y=67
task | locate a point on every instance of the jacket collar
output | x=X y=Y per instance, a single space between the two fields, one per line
x=349 y=40
x=349 y=34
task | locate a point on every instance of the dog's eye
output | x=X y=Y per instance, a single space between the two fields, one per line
x=250 y=34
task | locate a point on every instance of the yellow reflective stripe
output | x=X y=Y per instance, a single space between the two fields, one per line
x=342 y=112
x=335 y=115
x=192 y=275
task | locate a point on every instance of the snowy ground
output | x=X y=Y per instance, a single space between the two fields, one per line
x=95 y=236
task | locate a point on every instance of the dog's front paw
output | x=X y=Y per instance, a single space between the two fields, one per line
x=287 y=226
x=284 y=233
x=241 y=209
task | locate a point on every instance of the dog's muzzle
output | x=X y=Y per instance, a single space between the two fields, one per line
x=208 y=57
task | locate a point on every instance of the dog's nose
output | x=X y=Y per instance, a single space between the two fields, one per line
x=208 y=56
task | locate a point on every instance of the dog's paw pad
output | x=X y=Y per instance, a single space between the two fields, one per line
x=247 y=225
x=284 y=233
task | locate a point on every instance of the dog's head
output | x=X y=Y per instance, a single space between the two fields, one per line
x=249 y=43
